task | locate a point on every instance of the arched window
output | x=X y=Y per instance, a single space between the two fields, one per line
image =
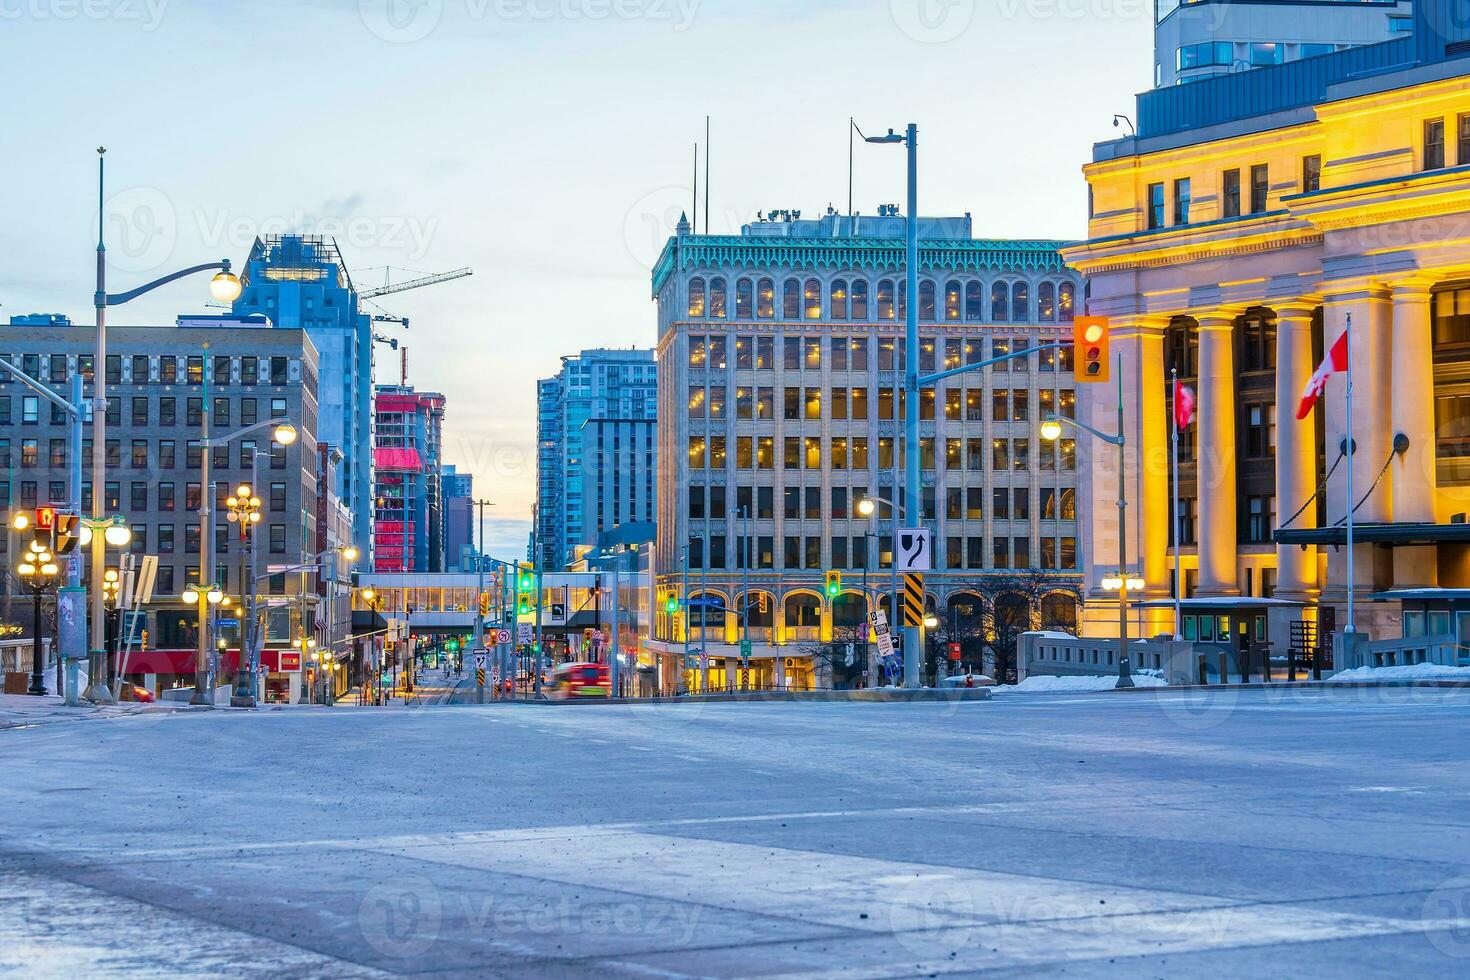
x=717 y=297
x=926 y=299
x=1059 y=612
x=744 y=299
x=974 y=302
x=1065 y=302
x=903 y=299
x=859 y=299
x=812 y=300
x=952 y=300
x=791 y=300
x=696 y=297
x=765 y=299
x=1020 y=302
x=1046 y=303
x=838 y=306
x=885 y=299
x=1000 y=300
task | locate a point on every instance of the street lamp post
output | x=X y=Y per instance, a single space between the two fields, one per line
x=225 y=288
x=913 y=636
x=244 y=510
x=1051 y=430
x=285 y=434
x=38 y=570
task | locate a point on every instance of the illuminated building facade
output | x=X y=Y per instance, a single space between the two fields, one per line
x=1231 y=240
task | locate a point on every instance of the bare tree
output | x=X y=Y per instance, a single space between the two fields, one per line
x=1014 y=602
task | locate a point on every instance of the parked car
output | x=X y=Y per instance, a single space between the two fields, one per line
x=132 y=692
x=969 y=680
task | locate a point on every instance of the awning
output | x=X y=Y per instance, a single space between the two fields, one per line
x=1392 y=534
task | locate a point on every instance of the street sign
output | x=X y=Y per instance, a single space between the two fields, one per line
x=913 y=600
x=707 y=602
x=880 y=629
x=915 y=549
x=480 y=677
x=525 y=632
x=744 y=649
x=502 y=636
x=558 y=615
x=482 y=659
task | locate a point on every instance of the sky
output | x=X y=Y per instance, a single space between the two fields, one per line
x=547 y=144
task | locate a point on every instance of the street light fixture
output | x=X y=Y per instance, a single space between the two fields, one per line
x=225 y=287
x=38 y=571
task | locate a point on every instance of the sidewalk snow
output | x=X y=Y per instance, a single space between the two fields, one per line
x=1409 y=672
x=1047 y=684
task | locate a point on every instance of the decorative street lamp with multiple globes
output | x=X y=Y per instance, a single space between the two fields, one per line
x=39 y=571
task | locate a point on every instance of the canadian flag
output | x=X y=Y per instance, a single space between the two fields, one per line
x=1337 y=360
x=1184 y=405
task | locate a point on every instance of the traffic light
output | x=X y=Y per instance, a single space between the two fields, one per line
x=671 y=603
x=484 y=604
x=834 y=584
x=68 y=533
x=523 y=605
x=525 y=585
x=1090 y=338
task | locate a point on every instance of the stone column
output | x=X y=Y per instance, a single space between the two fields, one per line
x=1372 y=358
x=1218 y=540
x=1412 y=414
x=1296 y=464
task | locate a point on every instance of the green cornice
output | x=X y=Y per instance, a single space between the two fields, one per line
x=874 y=255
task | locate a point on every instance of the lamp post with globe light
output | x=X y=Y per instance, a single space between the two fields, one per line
x=225 y=288
x=38 y=571
x=244 y=511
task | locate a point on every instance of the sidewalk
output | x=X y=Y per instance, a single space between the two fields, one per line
x=24 y=710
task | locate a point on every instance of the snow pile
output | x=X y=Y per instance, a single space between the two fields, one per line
x=1408 y=672
x=1046 y=684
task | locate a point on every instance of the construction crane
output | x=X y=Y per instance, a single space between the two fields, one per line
x=439 y=277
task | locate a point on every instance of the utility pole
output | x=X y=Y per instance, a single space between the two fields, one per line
x=479 y=630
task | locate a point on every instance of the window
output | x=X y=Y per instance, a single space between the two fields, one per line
x=113 y=373
x=1433 y=144
x=278 y=497
x=221 y=410
x=1462 y=139
x=1181 y=201
x=1267 y=53
x=717 y=298
x=278 y=539
x=1260 y=185
x=744 y=299
x=168 y=370
x=765 y=299
x=166 y=460
x=885 y=300
x=1205 y=55
x=165 y=496
x=30 y=409
x=926 y=299
x=1046 y=308
x=952 y=300
x=812 y=300
x=974 y=305
x=30 y=453
x=195 y=370
x=1230 y=194
x=166 y=541
x=221 y=374
x=1065 y=303
x=140 y=454
x=1400 y=24
x=1312 y=50
x=1260 y=518
x=1260 y=431
x=138 y=496
x=249 y=370
x=193 y=412
x=278 y=408
x=1000 y=302
x=791 y=300
x=859 y=299
x=696 y=297
x=1311 y=173
x=1155 y=205
x=838 y=303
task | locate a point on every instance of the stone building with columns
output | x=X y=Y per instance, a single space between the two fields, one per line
x=1233 y=239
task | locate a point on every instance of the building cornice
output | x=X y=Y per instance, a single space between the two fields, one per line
x=981 y=255
x=1192 y=243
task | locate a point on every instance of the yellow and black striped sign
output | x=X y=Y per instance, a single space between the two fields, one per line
x=480 y=677
x=913 y=600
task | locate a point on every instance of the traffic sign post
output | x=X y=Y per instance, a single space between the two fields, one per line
x=915 y=549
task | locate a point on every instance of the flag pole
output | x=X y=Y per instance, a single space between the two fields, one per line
x=1174 y=502
x=1351 y=452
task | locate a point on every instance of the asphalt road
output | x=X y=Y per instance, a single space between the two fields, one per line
x=1167 y=835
